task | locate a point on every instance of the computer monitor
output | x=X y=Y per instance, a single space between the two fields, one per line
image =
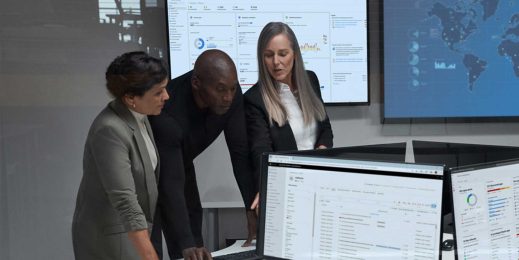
x=329 y=208
x=486 y=211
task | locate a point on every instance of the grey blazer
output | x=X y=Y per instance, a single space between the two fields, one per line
x=118 y=191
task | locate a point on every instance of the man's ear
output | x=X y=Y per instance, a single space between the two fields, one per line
x=195 y=83
x=198 y=94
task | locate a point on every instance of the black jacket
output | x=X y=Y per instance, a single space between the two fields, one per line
x=271 y=138
x=183 y=131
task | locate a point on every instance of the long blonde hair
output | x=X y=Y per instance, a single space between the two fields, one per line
x=312 y=108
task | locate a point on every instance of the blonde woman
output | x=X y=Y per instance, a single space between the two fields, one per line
x=284 y=109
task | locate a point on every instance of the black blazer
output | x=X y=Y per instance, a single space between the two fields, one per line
x=270 y=138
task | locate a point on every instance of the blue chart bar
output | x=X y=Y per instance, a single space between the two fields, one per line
x=495 y=207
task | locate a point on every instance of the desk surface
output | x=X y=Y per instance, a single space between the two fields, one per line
x=236 y=247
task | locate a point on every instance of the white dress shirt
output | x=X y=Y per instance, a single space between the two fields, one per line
x=305 y=135
x=149 y=144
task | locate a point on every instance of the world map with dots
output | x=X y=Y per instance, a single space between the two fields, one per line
x=451 y=58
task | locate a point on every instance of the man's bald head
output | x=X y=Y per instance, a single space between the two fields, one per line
x=214 y=64
x=214 y=81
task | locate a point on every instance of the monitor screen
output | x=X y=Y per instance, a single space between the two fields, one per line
x=332 y=35
x=447 y=58
x=326 y=208
x=486 y=210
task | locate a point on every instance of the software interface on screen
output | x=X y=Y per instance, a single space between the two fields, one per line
x=486 y=212
x=319 y=208
x=332 y=35
x=445 y=58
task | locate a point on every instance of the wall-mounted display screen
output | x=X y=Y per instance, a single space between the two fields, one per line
x=451 y=58
x=332 y=35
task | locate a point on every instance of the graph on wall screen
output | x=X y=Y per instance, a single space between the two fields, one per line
x=446 y=58
x=332 y=35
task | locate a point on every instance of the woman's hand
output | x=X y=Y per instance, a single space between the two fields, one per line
x=141 y=241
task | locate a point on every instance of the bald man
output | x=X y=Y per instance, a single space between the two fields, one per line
x=203 y=103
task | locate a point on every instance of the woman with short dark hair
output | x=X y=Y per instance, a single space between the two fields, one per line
x=118 y=192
